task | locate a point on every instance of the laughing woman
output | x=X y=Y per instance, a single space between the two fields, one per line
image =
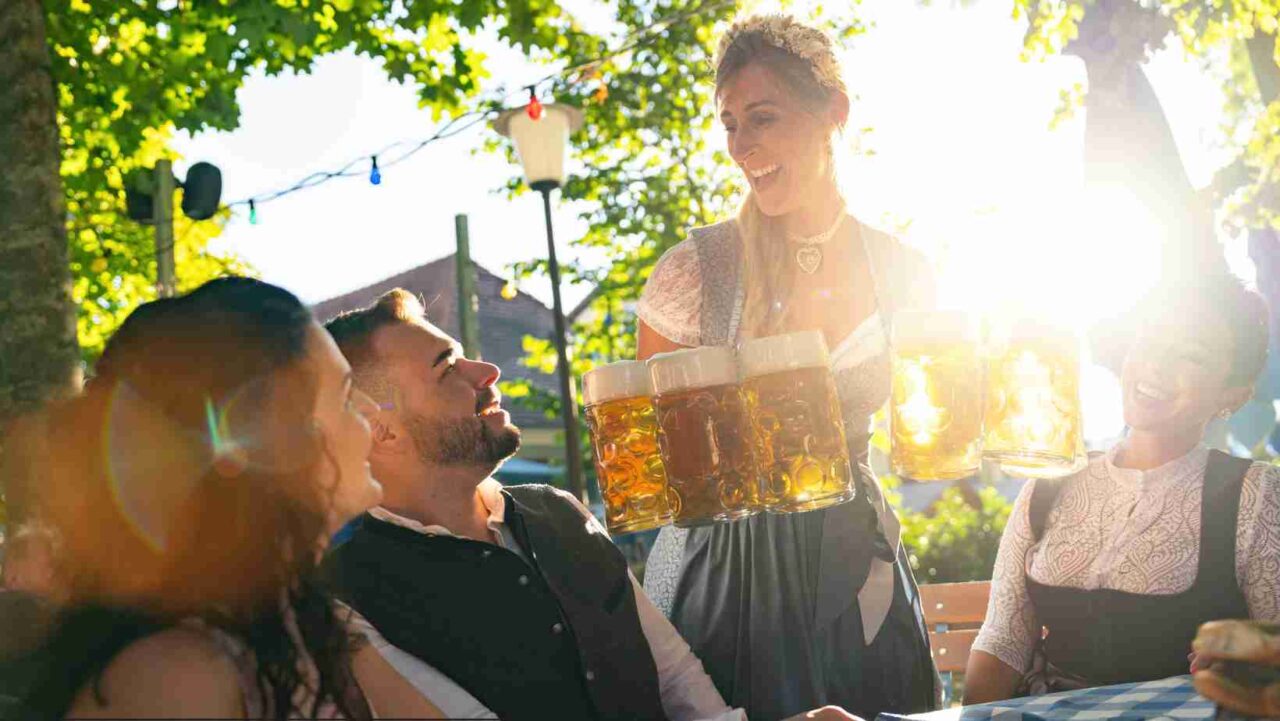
x=197 y=480
x=1123 y=561
x=788 y=612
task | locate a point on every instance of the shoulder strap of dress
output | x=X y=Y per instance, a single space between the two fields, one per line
x=879 y=249
x=896 y=272
x=720 y=258
x=1219 y=513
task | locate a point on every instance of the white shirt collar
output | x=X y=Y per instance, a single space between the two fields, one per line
x=490 y=492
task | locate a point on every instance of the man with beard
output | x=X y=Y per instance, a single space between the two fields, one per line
x=515 y=594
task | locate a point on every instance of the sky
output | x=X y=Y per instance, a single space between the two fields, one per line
x=961 y=147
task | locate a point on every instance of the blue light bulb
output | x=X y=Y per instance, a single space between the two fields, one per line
x=375 y=176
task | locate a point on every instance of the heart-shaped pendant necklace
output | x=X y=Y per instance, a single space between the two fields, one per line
x=809 y=254
x=809 y=257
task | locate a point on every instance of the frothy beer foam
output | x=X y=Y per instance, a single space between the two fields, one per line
x=624 y=379
x=692 y=368
x=760 y=356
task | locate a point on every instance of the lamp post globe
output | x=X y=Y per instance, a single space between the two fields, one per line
x=542 y=142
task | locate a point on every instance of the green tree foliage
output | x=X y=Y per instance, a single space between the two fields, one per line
x=956 y=539
x=129 y=73
x=1234 y=41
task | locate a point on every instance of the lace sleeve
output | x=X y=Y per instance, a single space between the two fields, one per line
x=1258 y=541
x=1011 y=629
x=671 y=302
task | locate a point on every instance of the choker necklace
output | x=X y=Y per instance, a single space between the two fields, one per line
x=809 y=254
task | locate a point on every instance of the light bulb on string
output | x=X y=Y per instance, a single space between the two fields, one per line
x=534 y=108
x=508 y=291
x=253 y=213
x=375 y=175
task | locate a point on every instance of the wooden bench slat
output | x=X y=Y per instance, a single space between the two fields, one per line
x=955 y=603
x=951 y=649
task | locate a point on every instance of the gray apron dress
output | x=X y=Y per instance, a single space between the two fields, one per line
x=792 y=612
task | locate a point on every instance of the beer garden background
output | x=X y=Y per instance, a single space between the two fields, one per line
x=137 y=82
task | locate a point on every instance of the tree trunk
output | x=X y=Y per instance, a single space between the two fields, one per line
x=39 y=356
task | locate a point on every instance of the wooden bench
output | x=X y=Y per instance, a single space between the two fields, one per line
x=953 y=612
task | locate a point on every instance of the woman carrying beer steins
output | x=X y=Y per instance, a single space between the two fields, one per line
x=792 y=611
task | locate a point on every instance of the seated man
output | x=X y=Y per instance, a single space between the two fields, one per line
x=516 y=594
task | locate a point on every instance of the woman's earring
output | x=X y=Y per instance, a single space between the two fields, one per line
x=1225 y=413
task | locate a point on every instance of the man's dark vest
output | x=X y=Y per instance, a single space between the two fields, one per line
x=1109 y=637
x=555 y=637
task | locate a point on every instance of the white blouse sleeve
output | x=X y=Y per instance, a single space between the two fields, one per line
x=671 y=302
x=1258 y=542
x=1011 y=629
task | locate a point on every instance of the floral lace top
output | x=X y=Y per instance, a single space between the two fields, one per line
x=1131 y=531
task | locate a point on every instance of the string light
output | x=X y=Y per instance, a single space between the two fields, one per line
x=485 y=109
x=534 y=108
x=508 y=291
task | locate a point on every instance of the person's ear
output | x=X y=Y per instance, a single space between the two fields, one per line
x=389 y=436
x=839 y=110
x=1233 y=399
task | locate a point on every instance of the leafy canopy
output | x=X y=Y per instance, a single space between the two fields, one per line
x=129 y=74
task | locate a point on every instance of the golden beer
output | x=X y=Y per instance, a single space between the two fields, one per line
x=702 y=435
x=624 y=437
x=1033 y=425
x=935 y=402
x=797 y=430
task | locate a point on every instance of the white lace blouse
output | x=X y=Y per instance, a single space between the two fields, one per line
x=1131 y=531
x=671 y=302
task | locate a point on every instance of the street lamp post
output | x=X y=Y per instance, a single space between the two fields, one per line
x=541 y=134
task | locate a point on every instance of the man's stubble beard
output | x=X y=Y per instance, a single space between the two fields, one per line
x=463 y=441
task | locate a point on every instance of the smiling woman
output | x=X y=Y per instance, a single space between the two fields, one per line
x=197 y=481
x=792 y=611
x=1123 y=561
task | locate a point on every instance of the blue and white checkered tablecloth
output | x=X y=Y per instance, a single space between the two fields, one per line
x=1169 y=698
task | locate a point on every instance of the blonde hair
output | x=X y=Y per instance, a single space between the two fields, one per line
x=803 y=58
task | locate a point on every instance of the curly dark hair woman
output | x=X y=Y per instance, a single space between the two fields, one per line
x=195 y=485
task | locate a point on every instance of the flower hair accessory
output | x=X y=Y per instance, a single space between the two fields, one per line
x=789 y=35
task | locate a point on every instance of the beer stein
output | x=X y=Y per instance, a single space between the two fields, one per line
x=797 y=431
x=935 y=402
x=702 y=435
x=624 y=438
x=1032 y=420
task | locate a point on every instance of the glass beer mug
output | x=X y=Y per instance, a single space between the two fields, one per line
x=797 y=431
x=1033 y=426
x=935 y=401
x=624 y=437
x=702 y=435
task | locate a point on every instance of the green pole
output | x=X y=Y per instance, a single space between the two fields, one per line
x=162 y=214
x=468 y=304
